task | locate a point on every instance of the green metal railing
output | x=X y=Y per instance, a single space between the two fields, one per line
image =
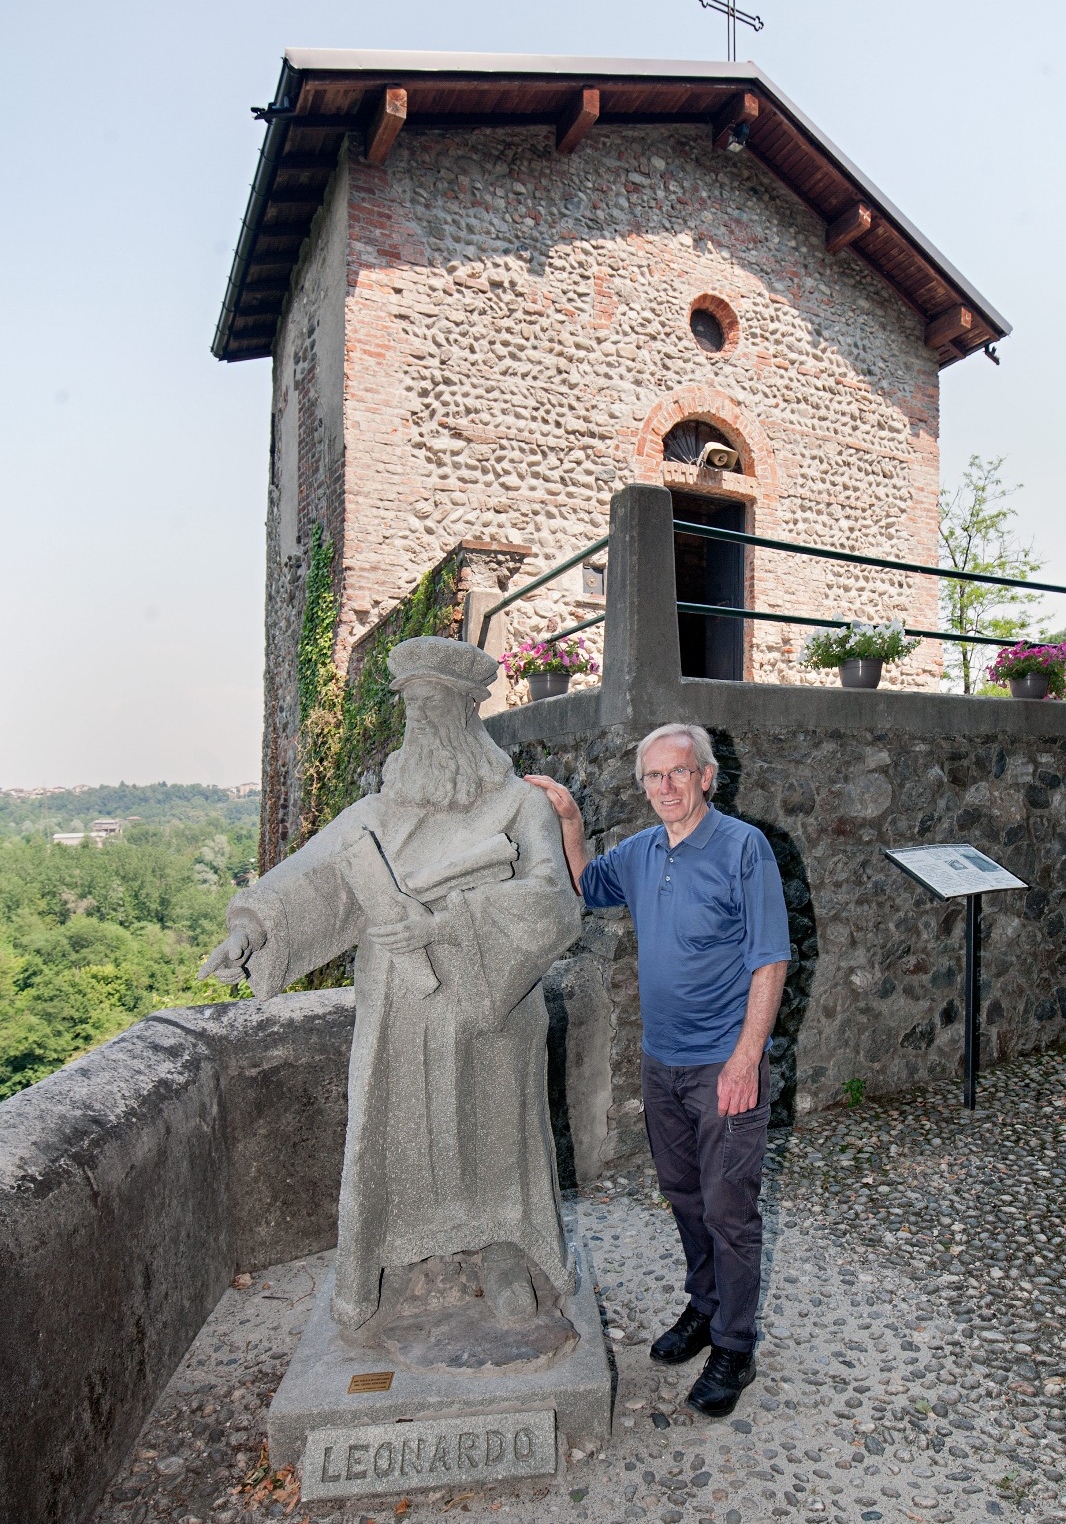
x=708 y=532
x=790 y=547
x=531 y=587
x=737 y=537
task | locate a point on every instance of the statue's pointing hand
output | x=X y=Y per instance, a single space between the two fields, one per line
x=229 y=961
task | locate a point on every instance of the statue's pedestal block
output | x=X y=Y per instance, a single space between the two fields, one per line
x=364 y=1422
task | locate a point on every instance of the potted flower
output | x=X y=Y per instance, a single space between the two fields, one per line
x=859 y=651
x=1030 y=671
x=548 y=666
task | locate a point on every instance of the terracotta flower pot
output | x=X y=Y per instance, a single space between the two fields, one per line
x=547 y=684
x=1034 y=686
x=861 y=672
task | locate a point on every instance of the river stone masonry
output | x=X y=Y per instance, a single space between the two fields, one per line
x=487 y=338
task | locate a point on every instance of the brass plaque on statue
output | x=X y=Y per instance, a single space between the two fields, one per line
x=373 y=1381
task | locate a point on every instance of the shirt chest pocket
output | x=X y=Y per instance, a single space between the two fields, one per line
x=708 y=917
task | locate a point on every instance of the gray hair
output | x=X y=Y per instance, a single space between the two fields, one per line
x=697 y=738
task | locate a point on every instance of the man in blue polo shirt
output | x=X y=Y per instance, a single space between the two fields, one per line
x=705 y=895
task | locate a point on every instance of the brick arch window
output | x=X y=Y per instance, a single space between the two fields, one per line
x=687 y=441
x=708 y=405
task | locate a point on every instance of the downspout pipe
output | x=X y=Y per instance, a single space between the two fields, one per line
x=285 y=97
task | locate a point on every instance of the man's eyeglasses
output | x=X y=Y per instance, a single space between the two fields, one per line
x=678 y=775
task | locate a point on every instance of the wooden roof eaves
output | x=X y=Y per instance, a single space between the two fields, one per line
x=394 y=67
x=273 y=147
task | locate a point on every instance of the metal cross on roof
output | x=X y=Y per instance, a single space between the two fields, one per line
x=728 y=9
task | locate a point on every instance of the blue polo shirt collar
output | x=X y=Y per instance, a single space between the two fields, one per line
x=697 y=838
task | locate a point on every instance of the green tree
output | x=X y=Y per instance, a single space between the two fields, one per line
x=93 y=938
x=976 y=535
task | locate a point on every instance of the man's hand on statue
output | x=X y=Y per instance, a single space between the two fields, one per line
x=738 y=1087
x=573 y=827
x=563 y=802
x=229 y=961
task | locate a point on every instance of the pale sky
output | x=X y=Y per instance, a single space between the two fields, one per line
x=134 y=464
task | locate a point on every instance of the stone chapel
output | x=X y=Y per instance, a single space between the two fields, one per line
x=495 y=289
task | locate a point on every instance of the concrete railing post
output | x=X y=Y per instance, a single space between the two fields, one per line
x=477 y=602
x=487 y=569
x=641 y=652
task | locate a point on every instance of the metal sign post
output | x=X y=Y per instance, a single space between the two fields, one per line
x=959 y=871
x=972 y=1057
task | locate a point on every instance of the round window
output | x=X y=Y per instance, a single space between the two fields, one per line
x=707 y=330
x=714 y=325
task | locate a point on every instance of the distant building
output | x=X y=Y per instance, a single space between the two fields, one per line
x=99 y=832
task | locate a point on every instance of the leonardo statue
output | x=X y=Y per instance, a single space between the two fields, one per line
x=452 y=884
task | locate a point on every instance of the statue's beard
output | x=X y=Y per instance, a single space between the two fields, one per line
x=443 y=764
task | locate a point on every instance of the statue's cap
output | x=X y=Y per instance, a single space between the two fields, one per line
x=455 y=663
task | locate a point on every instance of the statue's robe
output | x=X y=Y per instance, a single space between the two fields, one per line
x=449 y=1144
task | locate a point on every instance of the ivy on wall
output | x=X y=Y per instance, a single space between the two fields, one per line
x=373 y=717
x=347 y=729
x=321 y=691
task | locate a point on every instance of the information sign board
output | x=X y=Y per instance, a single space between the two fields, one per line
x=953 y=870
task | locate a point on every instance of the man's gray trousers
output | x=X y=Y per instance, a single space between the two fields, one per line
x=710 y=1171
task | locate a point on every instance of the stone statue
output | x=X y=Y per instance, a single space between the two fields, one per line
x=452 y=884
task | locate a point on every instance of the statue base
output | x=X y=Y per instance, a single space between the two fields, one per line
x=445 y=1404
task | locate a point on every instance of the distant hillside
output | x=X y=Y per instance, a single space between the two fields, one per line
x=93 y=937
x=155 y=803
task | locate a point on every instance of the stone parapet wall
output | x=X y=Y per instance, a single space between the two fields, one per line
x=875 y=991
x=133 y=1184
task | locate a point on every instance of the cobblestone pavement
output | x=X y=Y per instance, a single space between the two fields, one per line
x=913 y=1362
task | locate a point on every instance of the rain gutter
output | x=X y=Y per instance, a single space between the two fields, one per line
x=285 y=97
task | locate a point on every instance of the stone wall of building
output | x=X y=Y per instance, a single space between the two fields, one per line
x=306 y=487
x=875 y=991
x=516 y=344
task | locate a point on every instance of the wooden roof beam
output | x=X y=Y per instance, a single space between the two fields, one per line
x=953 y=324
x=574 y=125
x=739 y=111
x=310 y=195
x=292 y=229
x=251 y=324
x=325 y=163
x=852 y=224
x=389 y=117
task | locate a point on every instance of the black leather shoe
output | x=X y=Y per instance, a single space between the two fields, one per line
x=724 y=1377
x=690 y=1334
